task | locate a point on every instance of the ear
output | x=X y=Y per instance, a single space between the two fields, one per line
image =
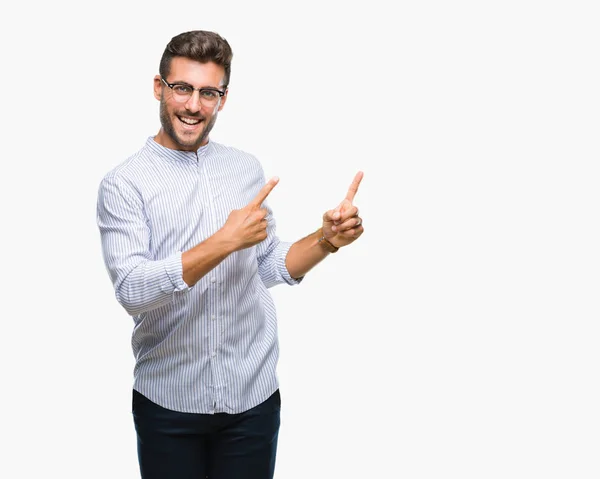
x=158 y=84
x=223 y=100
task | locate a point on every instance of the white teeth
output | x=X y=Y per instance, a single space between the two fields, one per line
x=189 y=121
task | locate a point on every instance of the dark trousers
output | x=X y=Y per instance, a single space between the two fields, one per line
x=177 y=445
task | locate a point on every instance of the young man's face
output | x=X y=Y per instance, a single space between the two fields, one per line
x=187 y=122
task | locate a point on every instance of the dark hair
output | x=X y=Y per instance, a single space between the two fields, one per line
x=201 y=46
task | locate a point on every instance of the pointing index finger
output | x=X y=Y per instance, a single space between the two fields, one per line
x=354 y=186
x=264 y=192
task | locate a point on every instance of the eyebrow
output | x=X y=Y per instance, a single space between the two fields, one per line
x=192 y=86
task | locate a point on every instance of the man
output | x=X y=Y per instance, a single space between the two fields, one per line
x=191 y=249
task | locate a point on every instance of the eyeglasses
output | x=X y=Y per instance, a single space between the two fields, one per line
x=183 y=92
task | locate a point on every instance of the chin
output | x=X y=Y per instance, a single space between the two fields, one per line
x=188 y=142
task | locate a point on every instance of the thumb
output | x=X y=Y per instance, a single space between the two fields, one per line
x=331 y=215
x=343 y=206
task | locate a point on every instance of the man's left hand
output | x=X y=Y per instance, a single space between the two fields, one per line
x=342 y=225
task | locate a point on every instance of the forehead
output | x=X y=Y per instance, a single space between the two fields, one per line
x=195 y=73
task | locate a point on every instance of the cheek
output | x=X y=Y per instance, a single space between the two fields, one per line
x=209 y=111
x=165 y=106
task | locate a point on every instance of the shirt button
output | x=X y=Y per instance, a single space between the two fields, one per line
x=213 y=317
x=213 y=354
x=213 y=280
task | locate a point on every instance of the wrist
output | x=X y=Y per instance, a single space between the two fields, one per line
x=224 y=242
x=325 y=243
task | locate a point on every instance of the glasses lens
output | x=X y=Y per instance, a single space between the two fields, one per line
x=209 y=97
x=182 y=92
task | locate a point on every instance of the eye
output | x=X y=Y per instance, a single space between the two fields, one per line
x=182 y=89
x=209 y=94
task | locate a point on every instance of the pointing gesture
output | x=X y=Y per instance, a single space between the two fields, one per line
x=354 y=187
x=263 y=193
x=247 y=226
x=342 y=225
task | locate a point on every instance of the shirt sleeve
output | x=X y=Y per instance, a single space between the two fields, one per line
x=271 y=254
x=141 y=283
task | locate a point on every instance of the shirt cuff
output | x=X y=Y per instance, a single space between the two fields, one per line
x=282 y=251
x=174 y=270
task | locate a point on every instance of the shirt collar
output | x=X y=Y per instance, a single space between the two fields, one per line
x=177 y=155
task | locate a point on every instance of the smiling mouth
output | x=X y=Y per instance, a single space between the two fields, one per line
x=189 y=121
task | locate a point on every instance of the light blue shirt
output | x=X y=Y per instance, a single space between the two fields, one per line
x=208 y=348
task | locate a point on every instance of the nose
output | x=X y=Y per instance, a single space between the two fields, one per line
x=193 y=104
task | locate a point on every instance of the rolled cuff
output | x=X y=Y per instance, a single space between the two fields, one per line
x=174 y=279
x=280 y=256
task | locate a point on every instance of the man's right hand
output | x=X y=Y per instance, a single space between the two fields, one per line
x=248 y=226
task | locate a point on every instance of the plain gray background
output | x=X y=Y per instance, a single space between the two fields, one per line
x=457 y=338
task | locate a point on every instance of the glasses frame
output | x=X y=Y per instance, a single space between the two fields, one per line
x=200 y=90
